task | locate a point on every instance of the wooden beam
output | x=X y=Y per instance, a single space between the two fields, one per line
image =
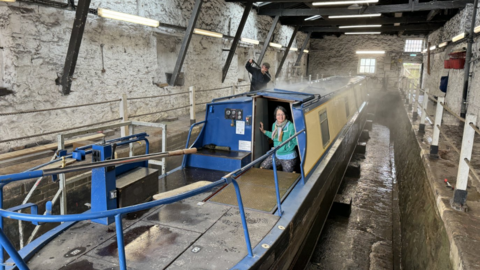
x=52 y=146
x=369 y=10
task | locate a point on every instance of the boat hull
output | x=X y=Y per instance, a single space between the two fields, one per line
x=294 y=247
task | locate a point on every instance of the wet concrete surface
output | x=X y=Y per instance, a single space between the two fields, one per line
x=223 y=245
x=189 y=215
x=147 y=246
x=364 y=239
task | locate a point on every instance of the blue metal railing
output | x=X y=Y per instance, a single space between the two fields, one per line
x=184 y=162
x=273 y=152
x=190 y=132
x=124 y=140
x=118 y=213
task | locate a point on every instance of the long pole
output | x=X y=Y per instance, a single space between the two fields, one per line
x=4 y=179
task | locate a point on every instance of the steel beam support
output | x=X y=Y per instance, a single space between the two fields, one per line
x=413 y=27
x=233 y=48
x=432 y=5
x=466 y=73
x=267 y=41
x=74 y=46
x=432 y=14
x=303 y=48
x=186 y=41
x=287 y=51
x=379 y=20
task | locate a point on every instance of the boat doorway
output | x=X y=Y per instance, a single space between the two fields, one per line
x=263 y=111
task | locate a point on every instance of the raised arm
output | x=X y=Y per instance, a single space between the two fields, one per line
x=248 y=66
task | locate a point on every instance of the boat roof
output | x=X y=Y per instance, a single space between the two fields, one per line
x=299 y=92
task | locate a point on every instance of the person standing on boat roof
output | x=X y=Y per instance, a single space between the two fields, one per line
x=260 y=76
x=283 y=129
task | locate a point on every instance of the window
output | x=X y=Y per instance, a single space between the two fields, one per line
x=347 y=106
x=324 y=128
x=413 y=45
x=366 y=66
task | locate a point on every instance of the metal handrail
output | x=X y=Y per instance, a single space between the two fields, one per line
x=273 y=152
x=121 y=141
x=184 y=162
x=235 y=174
x=107 y=213
x=5 y=179
x=190 y=131
x=117 y=213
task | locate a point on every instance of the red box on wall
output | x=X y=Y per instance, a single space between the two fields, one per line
x=446 y=64
x=457 y=63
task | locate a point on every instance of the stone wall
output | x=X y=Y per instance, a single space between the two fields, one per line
x=337 y=56
x=459 y=23
x=118 y=57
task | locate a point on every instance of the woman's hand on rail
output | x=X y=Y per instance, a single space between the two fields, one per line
x=261 y=128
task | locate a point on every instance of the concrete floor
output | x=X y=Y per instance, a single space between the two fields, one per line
x=363 y=240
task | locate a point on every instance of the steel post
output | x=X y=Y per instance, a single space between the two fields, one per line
x=243 y=217
x=466 y=72
x=416 y=105
x=124 y=115
x=424 y=112
x=436 y=130
x=193 y=118
x=120 y=243
x=277 y=189
x=460 y=194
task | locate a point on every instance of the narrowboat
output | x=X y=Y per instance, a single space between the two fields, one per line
x=219 y=209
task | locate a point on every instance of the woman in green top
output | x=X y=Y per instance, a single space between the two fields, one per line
x=282 y=130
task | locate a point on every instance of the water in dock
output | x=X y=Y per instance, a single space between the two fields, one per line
x=362 y=237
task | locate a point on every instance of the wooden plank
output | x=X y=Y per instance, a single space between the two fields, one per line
x=26 y=158
x=52 y=146
x=58 y=164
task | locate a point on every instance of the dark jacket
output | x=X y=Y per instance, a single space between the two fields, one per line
x=259 y=80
